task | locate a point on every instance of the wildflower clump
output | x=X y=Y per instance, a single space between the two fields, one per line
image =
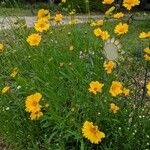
x=32 y=105
x=95 y=87
x=92 y=132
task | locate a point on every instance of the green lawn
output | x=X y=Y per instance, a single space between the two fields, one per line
x=63 y=79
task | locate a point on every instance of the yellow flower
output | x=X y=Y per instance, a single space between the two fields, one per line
x=14 y=73
x=63 y=1
x=148 y=88
x=32 y=103
x=126 y=91
x=118 y=15
x=128 y=4
x=43 y=14
x=116 y=88
x=46 y=105
x=98 y=32
x=36 y=115
x=92 y=132
x=58 y=17
x=147 y=50
x=108 y=1
x=71 y=48
x=144 y=35
x=34 y=39
x=109 y=66
x=93 y=24
x=41 y=25
x=121 y=28
x=1 y=47
x=104 y=35
x=110 y=10
x=99 y=22
x=95 y=87
x=73 y=21
x=147 y=57
x=5 y=89
x=114 y=108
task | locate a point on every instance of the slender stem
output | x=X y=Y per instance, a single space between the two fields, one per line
x=145 y=81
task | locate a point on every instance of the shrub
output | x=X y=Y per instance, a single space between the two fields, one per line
x=83 y=5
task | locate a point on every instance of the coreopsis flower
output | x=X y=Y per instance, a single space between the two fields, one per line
x=128 y=4
x=118 y=15
x=148 y=88
x=93 y=24
x=98 y=22
x=116 y=88
x=95 y=87
x=58 y=18
x=41 y=25
x=34 y=39
x=109 y=66
x=1 y=47
x=32 y=103
x=14 y=73
x=121 y=28
x=104 y=35
x=97 y=32
x=126 y=91
x=110 y=10
x=108 y=1
x=114 y=108
x=36 y=115
x=144 y=35
x=92 y=132
x=5 y=89
x=147 y=55
x=147 y=50
x=43 y=14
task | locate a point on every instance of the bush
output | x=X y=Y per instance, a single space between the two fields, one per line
x=83 y=5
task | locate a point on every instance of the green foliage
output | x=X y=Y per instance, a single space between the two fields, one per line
x=85 y=5
x=65 y=89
